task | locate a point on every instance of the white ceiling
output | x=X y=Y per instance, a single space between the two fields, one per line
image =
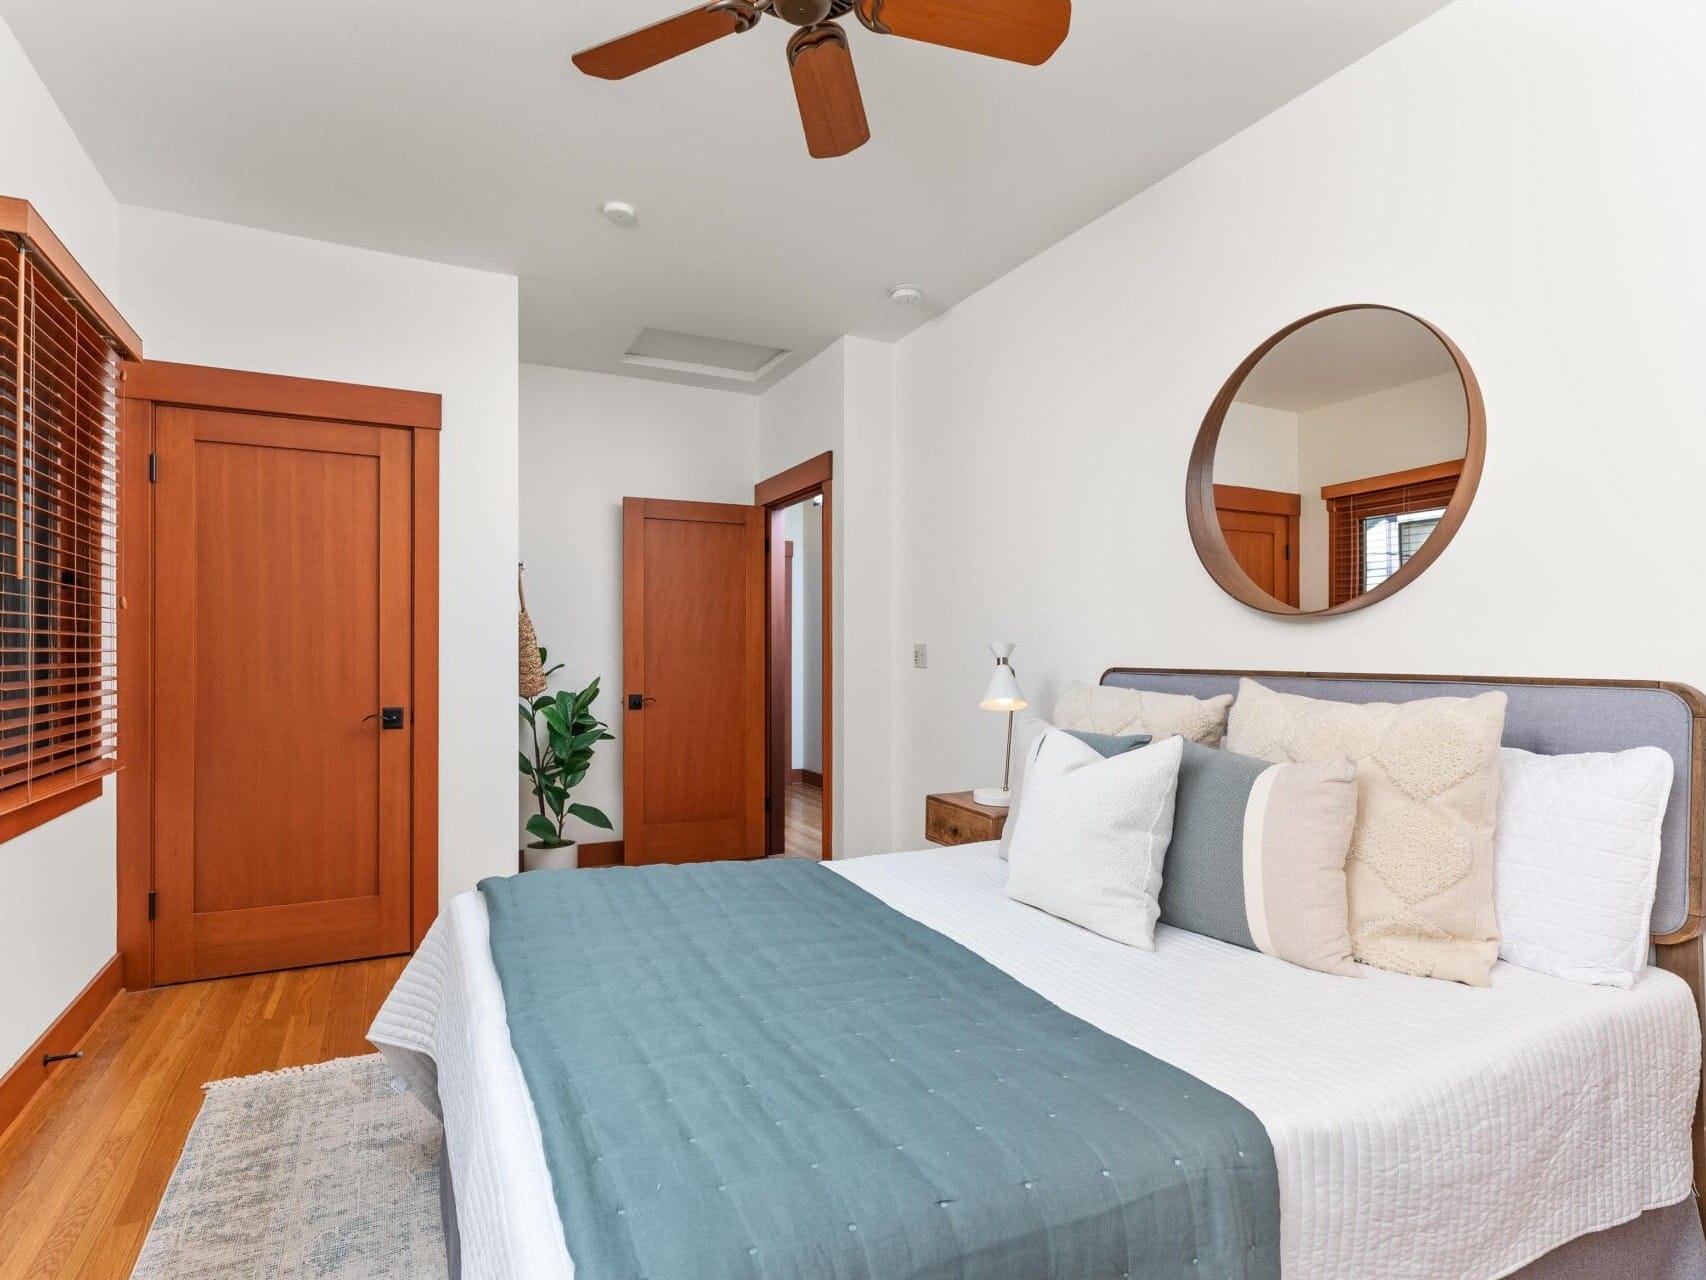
x=460 y=132
x=1343 y=356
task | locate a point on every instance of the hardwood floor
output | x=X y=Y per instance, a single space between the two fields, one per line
x=804 y=822
x=83 y=1168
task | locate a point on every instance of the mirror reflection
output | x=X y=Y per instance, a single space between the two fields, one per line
x=1339 y=454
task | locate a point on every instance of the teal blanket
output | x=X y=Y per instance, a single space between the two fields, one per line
x=760 y=1070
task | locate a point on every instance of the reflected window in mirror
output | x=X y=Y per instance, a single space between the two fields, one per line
x=1328 y=469
x=1377 y=524
x=1388 y=543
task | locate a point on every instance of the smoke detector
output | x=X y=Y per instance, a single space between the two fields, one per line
x=621 y=213
x=906 y=295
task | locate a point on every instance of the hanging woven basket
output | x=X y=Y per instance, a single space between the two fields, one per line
x=532 y=670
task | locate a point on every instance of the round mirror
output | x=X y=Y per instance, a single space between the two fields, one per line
x=1336 y=463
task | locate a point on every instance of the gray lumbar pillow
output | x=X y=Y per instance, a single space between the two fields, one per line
x=1257 y=856
x=1027 y=737
x=1203 y=888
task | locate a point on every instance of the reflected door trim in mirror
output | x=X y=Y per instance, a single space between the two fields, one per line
x=1200 y=506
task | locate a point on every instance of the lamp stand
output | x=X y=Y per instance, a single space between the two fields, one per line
x=1002 y=798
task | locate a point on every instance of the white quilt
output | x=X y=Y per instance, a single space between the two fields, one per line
x=1422 y=1129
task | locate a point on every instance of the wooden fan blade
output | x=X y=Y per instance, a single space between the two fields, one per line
x=831 y=108
x=661 y=41
x=1027 y=31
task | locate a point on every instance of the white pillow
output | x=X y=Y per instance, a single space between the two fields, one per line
x=1089 y=842
x=1576 y=861
x=1027 y=736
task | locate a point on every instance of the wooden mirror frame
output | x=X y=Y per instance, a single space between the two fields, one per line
x=1210 y=542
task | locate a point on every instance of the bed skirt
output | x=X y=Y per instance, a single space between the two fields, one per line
x=1667 y=1244
x=1662 y=1244
x=447 y=1207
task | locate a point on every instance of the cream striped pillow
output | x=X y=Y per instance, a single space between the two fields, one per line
x=1297 y=831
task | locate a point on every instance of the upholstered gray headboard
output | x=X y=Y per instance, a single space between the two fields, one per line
x=1551 y=716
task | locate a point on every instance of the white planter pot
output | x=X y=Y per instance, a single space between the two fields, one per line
x=564 y=859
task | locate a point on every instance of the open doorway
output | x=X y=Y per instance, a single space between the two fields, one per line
x=801 y=653
x=798 y=661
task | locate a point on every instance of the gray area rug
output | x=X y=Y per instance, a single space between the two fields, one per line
x=306 y=1174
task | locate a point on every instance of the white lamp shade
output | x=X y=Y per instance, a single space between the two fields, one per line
x=1003 y=693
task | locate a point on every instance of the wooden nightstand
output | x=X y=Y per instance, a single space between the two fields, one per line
x=955 y=818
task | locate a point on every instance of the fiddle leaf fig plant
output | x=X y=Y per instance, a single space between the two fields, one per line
x=564 y=734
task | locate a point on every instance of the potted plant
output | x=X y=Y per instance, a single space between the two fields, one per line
x=564 y=733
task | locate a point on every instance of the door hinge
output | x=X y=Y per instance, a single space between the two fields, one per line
x=766 y=804
x=767 y=546
x=153 y=468
x=1288 y=551
x=151 y=904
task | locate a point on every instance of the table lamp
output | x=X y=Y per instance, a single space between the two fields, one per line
x=1003 y=694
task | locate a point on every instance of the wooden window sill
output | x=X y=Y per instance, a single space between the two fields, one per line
x=46 y=808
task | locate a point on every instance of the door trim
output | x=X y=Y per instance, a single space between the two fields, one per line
x=146 y=385
x=807 y=479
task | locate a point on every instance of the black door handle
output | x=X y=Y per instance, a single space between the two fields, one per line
x=637 y=701
x=388 y=717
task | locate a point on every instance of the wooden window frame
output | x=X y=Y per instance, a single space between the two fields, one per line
x=47 y=255
x=1354 y=501
x=147 y=386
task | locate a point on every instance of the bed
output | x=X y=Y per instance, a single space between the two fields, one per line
x=1415 y=1125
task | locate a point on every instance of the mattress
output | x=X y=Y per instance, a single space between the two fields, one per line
x=1421 y=1128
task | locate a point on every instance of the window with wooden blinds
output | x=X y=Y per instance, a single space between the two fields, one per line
x=1376 y=524
x=58 y=531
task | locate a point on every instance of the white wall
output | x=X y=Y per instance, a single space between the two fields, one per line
x=844 y=401
x=1532 y=179
x=1413 y=425
x=587 y=441
x=210 y=293
x=1258 y=448
x=58 y=900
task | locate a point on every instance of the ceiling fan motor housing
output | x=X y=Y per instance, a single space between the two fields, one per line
x=806 y=13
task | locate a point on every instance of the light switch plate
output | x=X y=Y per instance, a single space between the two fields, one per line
x=920 y=656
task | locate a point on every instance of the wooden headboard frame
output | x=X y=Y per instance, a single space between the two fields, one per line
x=1678 y=950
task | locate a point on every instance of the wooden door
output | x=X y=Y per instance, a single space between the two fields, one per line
x=693 y=681
x=1261 y=531
x=283 y=632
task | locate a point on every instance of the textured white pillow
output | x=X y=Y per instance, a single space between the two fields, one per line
x=1576 y=861
x=1111 y=709
x=1027 y=736
x=1088 y=844
x=1420 y=872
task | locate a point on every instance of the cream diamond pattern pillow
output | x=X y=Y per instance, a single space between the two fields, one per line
x=1420 y=872
x=1104 y=709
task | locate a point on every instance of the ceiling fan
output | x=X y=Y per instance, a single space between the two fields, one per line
x=831 y=109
